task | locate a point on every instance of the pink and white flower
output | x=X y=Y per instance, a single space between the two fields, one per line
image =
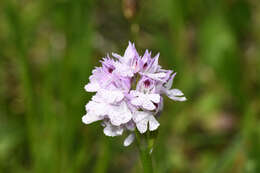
x=121 y=106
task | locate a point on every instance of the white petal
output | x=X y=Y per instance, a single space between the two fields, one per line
x=119 y=114
x=91 y=105
x=142 y=125
x=181 y=99
x=147 y=104
x=175 y=92
x=174 y=95
x=129 y=140
x=153 y=123
x=90 y=118
x=137 y=101
x=98 y=108
x=110 y=130
x=140 y=115
x=134 y=93
x=111 y=96
x=154 y=97
x=92 y=87
x=97 y=98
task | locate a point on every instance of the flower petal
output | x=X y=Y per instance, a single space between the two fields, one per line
x=90 y=117
x=117 y=55
x=92 y=87
x=98 y=108
x=154 y=98
x=176 y=92
x=137 y=101
x=119 y=114
x=174 y=95
x=181 y=99
x=129 y=140
x=142 y=125
x=140 y=115
x=130 y=52
x=148 y=105
x=112 y=131
x=153 y=123
x=155 y=76
x=111 y=96
x=168 y=85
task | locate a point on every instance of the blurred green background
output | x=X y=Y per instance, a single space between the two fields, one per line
x=49 y=47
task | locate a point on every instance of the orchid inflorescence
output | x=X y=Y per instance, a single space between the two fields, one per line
x=129 y=92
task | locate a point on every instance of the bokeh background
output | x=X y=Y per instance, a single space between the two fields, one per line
x=49 y=47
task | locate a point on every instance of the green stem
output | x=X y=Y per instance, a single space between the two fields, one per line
x=144 y=152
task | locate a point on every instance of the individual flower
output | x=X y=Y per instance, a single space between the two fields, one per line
x=128 y=93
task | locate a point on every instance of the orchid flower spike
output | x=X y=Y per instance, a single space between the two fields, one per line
x=128 y=93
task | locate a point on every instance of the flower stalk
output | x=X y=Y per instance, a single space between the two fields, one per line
x=145 y=144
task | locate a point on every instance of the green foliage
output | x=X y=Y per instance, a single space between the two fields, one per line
x=47 y=51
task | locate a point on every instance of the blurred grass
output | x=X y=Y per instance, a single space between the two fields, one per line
x=49 y=47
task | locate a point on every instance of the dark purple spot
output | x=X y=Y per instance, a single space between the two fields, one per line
x=145 y=65
x=110 y=70
x=147 y=83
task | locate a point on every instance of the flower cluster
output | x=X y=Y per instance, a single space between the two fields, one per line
x=129 y=92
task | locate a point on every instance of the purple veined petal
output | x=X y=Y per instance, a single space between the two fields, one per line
x=167 y=74
x=145 y=61
x=122 y=83
x=155 y=66
x=145 y=85
x=153 y=123
x=168 y=85
x=142 y=125
x=130 y=53
x=123 y=70
x=90 y=117
x=108 y=65
x=129 y=140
